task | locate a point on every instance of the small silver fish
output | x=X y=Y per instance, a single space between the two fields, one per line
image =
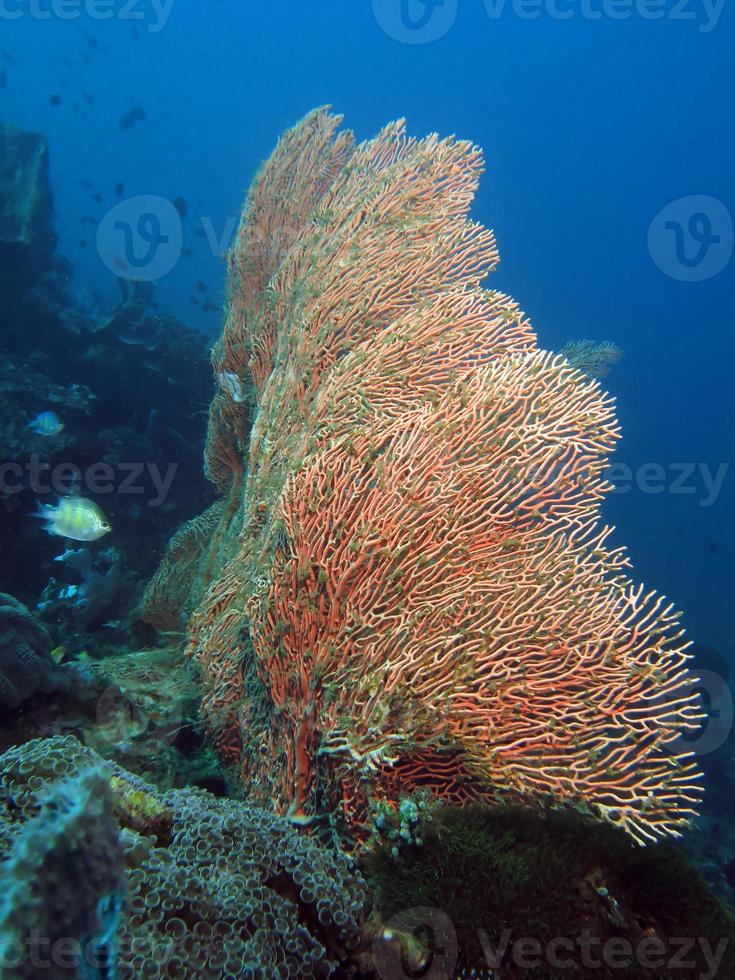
x=46 y=424
x=74 y=517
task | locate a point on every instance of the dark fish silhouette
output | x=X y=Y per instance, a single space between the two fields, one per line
x=211 y=307
x=91 y=41
x=181 y=206
x=89 y=219
x=7 y=56
x=200 y=233
x=136 y=115
x=187 y=252
x=200 y=286
x=82 y=244
x=119 y=188
x=85 y=183
x=194 y=300
x=3 y=77
x=55 y=100
x=88 y=98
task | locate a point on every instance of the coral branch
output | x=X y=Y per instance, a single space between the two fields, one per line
x=410 y=585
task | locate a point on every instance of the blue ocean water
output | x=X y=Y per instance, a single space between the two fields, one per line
x=607 y=129
x=592 y=121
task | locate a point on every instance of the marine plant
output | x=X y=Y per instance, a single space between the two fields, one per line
x=409 y=584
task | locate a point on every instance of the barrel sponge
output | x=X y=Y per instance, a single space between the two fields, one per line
x=62 y=864
x=214 y=887
x=26 y=665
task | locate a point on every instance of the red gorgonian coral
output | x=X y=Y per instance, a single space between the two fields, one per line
x=409 y=584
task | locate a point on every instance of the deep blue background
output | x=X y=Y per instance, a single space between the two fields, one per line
x=590 y=127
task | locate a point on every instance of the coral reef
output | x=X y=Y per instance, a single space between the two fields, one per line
x=94 y=595
x=63 y=871
x=500 y=875
x=136 y=708
x=26 y=664
x=409 y=584
x=130 y=388
x=146 y=714
x=213 y=888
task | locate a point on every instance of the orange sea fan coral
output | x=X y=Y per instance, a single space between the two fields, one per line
x=409 y=583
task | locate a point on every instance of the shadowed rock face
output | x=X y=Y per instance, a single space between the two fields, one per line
x=26 y=665
x=26 y=204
